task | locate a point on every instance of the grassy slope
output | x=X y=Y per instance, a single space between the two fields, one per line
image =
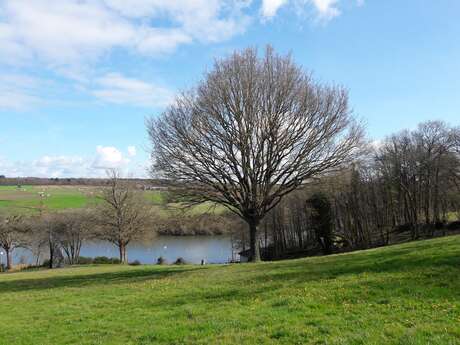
x=405 y=294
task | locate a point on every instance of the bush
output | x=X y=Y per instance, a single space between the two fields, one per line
x=104 y=260
x=454 y=225
x=403 y=228
x=439 y=225
x=135 y=263
x=161 y=261
x=82 y=260
x=180 y=261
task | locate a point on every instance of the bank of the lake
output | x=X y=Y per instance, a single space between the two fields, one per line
x=216 y=249
x=404 y=294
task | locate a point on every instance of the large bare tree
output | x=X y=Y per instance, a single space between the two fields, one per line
x=252 y=131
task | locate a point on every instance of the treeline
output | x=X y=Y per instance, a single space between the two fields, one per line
x=406 y=187
x=146 y=184
x=190 y=224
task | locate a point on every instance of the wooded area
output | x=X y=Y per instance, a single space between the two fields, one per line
x=406 y=187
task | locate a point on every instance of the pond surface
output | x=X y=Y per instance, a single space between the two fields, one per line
x=212 y=249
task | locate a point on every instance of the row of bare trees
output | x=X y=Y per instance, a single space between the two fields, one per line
x=406 y=187
x=420 y=169
x=122 y=215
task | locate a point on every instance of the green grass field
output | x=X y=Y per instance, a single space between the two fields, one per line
x=405 y=294
x=26 y=200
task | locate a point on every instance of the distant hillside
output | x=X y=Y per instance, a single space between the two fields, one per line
x=171 y=220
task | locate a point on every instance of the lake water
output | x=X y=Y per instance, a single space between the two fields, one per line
x=212 y=249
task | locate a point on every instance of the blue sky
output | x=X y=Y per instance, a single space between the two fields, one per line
x=78 y=78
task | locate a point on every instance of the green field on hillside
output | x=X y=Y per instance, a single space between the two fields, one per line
x=27 y=200
x=404 y=294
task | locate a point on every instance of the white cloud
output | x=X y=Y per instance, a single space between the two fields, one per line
x=71 y=32
x=132 y=151
x=60 y=32
x=109 y=157
x=8 y=168
x=270 y=7
x=18 y=92
x=327 y=9
x=115 y=88
x=58 y=166
x=157 y=40
x=70 y=38
x=324 y=9
x=58 y=161
x=22 y=92
x=47 y=166
x=61 y=166
x=16 y=100
x=203 y=20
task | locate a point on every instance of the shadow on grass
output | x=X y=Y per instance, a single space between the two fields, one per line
x=90 y=280
x=421 y=270
x=410 y=266
x=409 y=258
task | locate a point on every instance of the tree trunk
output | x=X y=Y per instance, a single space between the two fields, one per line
x=9 y=259
x=50 y=265
x=254 y=243
x=122 y=249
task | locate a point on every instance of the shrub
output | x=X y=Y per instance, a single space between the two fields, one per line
x=161 y=261
x=180 y=261
x=26 y=268
x=104 y=260
x=439 y=225
x=403 y=228
x=82 y=260
x=454 y=225
x=59 y=262
x=135 y=263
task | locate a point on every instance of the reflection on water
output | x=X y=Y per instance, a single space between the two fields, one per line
x=212 y=249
